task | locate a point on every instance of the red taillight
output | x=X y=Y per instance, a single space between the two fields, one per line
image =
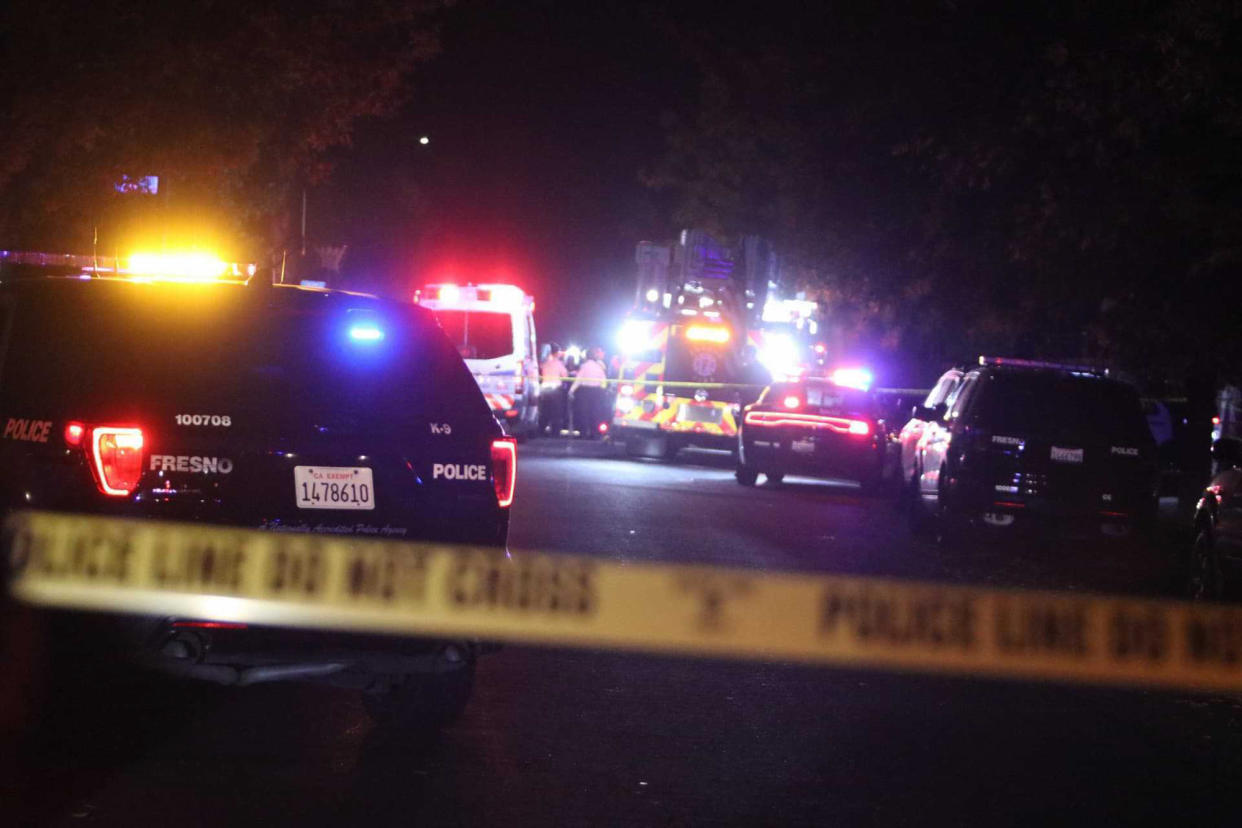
x=116 y=458
x=841 y=425
x=603 y=428
x=209 y=625
x=74 y=432
x=792 y=402
x=504 y=470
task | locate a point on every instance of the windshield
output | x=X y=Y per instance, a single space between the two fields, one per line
x=478 y=334
x=823 y=398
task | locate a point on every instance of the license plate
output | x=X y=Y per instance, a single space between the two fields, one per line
x=333 y=487
x=803 y=446
x=700 y=414
x=1066 y=455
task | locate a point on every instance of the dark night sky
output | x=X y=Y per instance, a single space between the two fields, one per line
x=541 y=116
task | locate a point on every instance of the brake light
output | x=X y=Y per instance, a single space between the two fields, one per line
x=792 y=402
x=504 y=470
x=74 y=432
x=116 y=458
x=209 y=625
x=841 y=425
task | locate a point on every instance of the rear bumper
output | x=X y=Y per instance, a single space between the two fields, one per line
x=1057 y=517
x=777 y=452
x=623 y=429
x=240 y=655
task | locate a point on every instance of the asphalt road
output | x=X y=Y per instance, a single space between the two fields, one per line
x=587 y=738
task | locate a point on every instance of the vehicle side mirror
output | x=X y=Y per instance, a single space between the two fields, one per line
x=1227 y=451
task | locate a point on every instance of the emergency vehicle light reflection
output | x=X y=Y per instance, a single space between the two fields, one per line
x=633 y=335
x=707 y=333
x=857 y=378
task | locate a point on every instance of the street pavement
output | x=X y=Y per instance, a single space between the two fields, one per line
x=566 y=737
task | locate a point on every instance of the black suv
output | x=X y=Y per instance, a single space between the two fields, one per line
x=262 y=406
x=1037 y=444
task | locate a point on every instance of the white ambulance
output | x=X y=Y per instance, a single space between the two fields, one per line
x=493 y=327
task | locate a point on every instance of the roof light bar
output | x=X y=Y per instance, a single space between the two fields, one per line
x=1036 y=363
x=857 y=378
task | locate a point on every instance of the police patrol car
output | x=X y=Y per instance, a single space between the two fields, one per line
x=254 y=405
x=815 y=427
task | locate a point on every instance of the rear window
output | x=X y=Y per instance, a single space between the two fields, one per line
x=478 y=334
x=825 y=398
x=293 y=357
x=1064 y=405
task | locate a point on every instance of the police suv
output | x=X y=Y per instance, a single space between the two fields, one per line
x=264 y=406
x=1036 y=444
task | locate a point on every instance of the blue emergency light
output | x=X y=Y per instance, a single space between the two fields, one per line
x=365 y=332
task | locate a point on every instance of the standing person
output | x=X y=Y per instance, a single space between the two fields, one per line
x=552 y=376
x=588 y=394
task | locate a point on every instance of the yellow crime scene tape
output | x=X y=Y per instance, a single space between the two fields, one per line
x=922 y=392
x=348 y=583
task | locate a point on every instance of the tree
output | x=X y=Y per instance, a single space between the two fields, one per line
x=233 y=103
x=1059 y=180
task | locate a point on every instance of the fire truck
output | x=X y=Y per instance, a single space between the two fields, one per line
x=708 y=331
x=493 y=326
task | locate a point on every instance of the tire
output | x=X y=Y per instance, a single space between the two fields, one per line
x=872 y=485
x=746 y=475
x=947 y=522
x=646 y=446
x=1205 y=580
x=671 y=448
x=422 y=702
x=919 y=521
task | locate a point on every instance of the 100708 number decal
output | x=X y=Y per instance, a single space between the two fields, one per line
x=219 y=420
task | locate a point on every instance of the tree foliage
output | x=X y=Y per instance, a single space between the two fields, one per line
x=1060 y=180
x=232 y=102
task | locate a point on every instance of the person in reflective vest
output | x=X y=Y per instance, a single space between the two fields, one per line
x=589 y=394
x=552 y=391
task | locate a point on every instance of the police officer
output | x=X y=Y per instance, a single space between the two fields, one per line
x=588 y=394
x=552 y=376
